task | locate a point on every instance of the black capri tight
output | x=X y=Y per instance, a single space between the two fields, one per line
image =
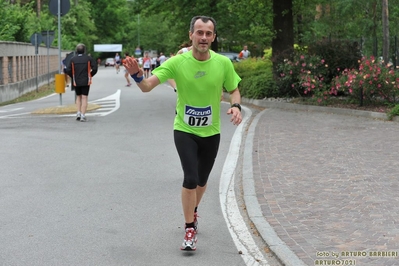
x=197 y=156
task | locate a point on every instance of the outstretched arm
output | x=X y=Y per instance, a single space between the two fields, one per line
x=145 y=85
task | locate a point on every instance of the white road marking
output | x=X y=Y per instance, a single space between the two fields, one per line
x=11 y=110
x=108 y=105
x=235 y=222
x=14 y=115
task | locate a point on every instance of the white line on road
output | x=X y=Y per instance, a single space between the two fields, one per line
x=235 y=222
x=11 y=110
x=108 y=105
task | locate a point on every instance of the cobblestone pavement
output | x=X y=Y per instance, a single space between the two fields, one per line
x=328 y=185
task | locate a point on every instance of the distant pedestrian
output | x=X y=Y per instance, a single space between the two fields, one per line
x=81 y=69
x=244 y=54
x=63 y=63
x=146 y=65
x=185 y=47
x=117 y=60
x=153 y=63
x=161 y=59
x=127 y=76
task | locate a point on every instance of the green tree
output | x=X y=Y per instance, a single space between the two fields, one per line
x=17 y=22
x=77 y=26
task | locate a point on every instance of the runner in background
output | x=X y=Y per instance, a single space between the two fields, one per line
x=117 y=60
x=146 y=65
x=127 y=76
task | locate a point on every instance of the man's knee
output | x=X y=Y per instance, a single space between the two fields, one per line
x=190 y=183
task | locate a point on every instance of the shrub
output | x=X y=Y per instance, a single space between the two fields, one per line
x=303 y=76
x=339 y=54
x=371 y=80
x=394 y=112
x=257 y=78
x=260 y=85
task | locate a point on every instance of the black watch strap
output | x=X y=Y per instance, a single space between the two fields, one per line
x=236 y=105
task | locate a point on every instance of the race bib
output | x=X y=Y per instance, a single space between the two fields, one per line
x=198 y=116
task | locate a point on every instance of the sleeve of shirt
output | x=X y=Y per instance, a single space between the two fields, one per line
x=232 y=78
x=94 y=67
x=164 y=72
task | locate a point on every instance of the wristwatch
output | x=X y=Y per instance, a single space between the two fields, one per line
x=236 y=105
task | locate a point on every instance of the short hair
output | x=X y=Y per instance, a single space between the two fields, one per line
x=80 y=48
x=204 y=19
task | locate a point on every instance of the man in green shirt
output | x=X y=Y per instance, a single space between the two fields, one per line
x=200 y=75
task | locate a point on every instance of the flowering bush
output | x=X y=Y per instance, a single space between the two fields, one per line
x=372 y=81
x=305 y=75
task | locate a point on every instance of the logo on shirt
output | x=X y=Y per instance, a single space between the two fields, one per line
x=198 y=116
x=199 y=74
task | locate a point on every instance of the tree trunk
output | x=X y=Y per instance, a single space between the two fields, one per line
x=38 y=8
x=385 y=30
x=283 y=25
x=374 y=29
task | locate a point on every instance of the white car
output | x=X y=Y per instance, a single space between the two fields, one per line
x=109 y=62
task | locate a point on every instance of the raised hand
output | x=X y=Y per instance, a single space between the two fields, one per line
x=132 y=67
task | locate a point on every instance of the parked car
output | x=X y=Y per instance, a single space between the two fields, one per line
x=109 y=62
x=233 y=56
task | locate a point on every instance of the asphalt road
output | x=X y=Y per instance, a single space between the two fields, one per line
x=107 y=192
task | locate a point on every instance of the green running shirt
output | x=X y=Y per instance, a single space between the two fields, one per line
x=199 y=85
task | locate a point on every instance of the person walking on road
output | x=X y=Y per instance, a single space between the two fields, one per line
x=117 y=60
x=161 y=59
x=126 y=75
x=146 y=65
x=200 y=75
x=81 y=69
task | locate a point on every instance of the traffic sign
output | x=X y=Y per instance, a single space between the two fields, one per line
x=65 y=6
x=36 y=39
x=48 y=37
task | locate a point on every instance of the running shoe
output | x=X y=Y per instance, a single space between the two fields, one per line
x=128 y=85
x=78 y=117
x=83 y=119
x=196 y=221
x=190 y=238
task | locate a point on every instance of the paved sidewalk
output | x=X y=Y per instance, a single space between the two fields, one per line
x=326 y=187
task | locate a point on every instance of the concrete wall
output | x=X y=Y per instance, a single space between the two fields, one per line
x=22 y=71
